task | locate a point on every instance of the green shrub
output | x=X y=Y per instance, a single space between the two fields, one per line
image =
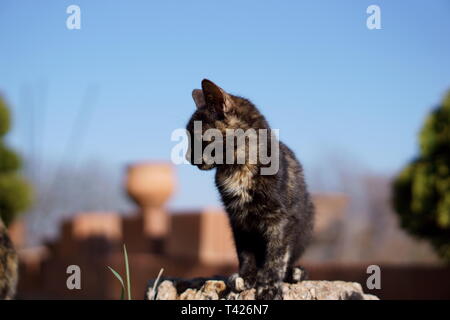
x=15 y=196
x=9 y=161
x=15 y=192
x=421 y=192
x=4 y=118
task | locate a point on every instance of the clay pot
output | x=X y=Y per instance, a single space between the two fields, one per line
x=150 y=185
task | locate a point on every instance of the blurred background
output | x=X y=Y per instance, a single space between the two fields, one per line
x=91 y=112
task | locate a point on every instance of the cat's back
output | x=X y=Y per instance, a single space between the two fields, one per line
x=291 y=171
x=8 y=265
x=291 y=180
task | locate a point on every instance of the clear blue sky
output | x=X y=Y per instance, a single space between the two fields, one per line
x=313 y=68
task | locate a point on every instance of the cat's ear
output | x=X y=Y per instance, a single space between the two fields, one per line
x=199 y=98
x=215 y=97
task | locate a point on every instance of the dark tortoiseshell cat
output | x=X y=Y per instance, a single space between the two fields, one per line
x=271 y=215
x=8 y=265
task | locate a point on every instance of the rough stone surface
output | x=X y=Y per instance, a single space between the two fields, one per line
x=217 y=289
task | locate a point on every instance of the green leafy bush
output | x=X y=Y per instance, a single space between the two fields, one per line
x=15 y=192
x=9 y=161
x=421 y=192
x=4 y=118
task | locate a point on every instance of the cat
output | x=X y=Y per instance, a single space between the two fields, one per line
x=8 y=265
x=271 y=215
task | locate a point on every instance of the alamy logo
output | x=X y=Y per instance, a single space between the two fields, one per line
x=374 y=280
x=74 y=280
x=374 y=20
x=74 y=20
x=236 y=146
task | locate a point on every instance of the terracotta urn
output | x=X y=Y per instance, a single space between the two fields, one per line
x=150 y=185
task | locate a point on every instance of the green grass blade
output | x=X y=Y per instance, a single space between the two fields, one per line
x=127 y=271
x=117 y=275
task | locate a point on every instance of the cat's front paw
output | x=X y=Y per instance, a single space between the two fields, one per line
x=269 y=292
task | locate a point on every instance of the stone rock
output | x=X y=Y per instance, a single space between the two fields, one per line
x=166 y=291
x=220 y=288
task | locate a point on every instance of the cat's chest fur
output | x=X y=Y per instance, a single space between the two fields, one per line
x=241 y=194
x=237 y=187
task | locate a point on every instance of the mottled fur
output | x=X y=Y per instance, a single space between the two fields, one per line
x=271 y=215
x=8 y=265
